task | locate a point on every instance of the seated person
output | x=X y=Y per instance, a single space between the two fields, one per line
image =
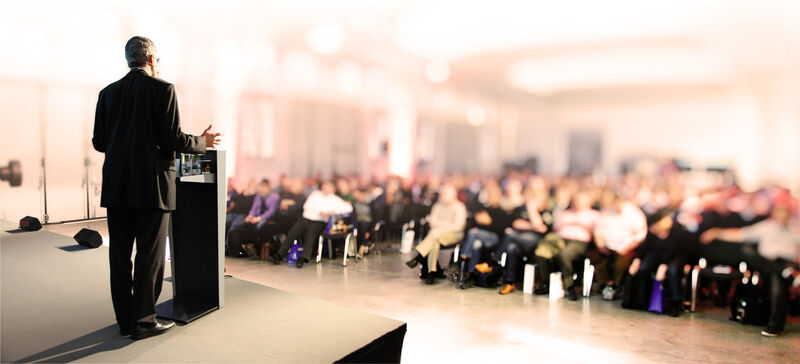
x=778 y=249
x=364 y=222
x=290 y=208
x=620 y=229
x=573 y=229
x=521 y=238
x=490 y=222
x=237 y=208
x=243 y=234
x=447 y=221
x=659 y=258
x=319 y=206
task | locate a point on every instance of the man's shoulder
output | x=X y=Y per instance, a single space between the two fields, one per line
x=160 y=82
x=112 y=87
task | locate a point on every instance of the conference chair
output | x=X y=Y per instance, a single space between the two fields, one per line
x=719 y=260
x=340 y=227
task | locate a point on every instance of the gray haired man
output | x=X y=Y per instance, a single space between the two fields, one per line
x=137 y=127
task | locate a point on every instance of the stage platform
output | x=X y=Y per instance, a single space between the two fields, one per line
x=55 y=306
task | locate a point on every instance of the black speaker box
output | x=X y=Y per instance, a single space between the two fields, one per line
x=88 y=238
x=30 y=223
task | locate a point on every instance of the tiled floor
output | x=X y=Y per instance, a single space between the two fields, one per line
x=478 y=325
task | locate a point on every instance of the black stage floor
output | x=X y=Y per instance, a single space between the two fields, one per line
x=55 y=306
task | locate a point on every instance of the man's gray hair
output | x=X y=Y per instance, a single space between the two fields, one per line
x=138 y=51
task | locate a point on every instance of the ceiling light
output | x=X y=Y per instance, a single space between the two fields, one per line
x=476 y=116
x=326 y=38
x=437 y=71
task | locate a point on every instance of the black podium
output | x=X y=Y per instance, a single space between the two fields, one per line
x=197 y=243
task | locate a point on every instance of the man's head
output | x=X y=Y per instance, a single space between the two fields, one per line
x=140 y=52
x=343 y=186
x=263 y=187
x=328 y=188
x=494 y=195
x=582 y=200
x=296 y=186
x=448 y=194
x=661 y=221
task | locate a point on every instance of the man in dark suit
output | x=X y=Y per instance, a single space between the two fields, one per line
x=137 y=126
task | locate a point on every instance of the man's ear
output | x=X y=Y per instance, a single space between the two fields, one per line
x=152 y=60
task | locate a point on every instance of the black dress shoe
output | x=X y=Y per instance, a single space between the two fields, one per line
x=299 y=263
x=430 y=279
x=413 y=262
x=125 y=331
x=275 y=258
x=160 y=327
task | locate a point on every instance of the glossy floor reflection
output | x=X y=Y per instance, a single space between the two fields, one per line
x=446 y=324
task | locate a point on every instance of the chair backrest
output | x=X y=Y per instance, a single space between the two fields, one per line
x=722 y=253
x=340 y=224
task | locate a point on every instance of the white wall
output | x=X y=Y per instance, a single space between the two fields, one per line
x=755 y=132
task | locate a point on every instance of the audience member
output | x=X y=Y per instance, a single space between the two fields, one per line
x=318 y=208
x=531 y=222
x=573 y=232
x=620 y=229
x=656 y=261
x=290 y=209
x=244 y=234
x=489 y=227
x=778 y=249
x=447 y=221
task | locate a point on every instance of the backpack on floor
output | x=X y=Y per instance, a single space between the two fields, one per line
x=489 y=280
x=749 y=305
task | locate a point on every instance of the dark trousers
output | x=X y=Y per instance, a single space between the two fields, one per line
x=610 y=268
x=279 y=224
x=518 y=245
x=778 y=286
x=364 y=228
x=638 y=287
x=474 y=244
x=308 y=231
x=573 y=249
x=231 y=220
x=134 y=296
x=242 y=233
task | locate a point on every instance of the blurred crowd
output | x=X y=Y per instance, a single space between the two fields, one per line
x=638 y=231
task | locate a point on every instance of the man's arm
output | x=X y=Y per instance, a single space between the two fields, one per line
x=733 y=235
x=255 y=208
x=99 y=137
x=342 y=206
x=170 y=136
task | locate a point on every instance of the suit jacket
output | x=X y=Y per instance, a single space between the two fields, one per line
x=137 y=126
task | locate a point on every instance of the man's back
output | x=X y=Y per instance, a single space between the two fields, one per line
x=137 y=126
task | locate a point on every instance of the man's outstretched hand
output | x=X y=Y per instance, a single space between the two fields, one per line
x=212 y=139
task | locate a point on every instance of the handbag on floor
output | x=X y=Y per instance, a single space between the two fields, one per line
x=294 y=254
x=656 y=298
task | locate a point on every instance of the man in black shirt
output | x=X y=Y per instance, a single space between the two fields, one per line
x=490 y=223
x=530 y=223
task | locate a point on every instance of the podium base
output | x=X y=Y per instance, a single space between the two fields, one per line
x=183 y=312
